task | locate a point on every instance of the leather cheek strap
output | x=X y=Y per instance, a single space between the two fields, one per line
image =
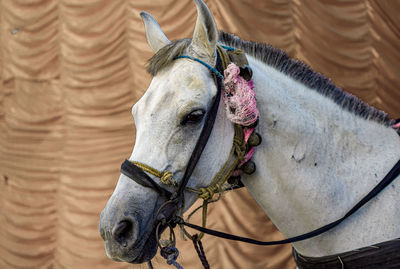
x=204 y=135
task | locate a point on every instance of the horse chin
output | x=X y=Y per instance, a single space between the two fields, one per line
x=148 y=251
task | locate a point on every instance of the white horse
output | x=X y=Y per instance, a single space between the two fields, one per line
x=322 y=149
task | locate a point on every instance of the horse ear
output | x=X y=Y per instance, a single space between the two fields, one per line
x=154 y=35
x=205 y=33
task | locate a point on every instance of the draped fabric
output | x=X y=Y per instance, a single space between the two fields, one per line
x=70 y=71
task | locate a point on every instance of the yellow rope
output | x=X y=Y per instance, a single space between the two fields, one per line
x=208 y=193
x=166 y=177
x=238 y=148
x=223 y=56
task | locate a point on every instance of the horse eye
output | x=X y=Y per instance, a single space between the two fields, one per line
x=193 y=117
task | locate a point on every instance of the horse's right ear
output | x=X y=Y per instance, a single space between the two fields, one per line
x=154 y=35
x=205 y=33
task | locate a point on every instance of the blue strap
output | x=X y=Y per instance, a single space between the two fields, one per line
x=203 y=63
x=228 y=48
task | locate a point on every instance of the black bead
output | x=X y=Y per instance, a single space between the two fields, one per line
x=246 y=72
x=253 y=125
x=249 y=167
x=255 y=139
x=234 y=180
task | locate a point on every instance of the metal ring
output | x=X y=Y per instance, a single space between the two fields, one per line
x=157 y=235
x=164 y=205
x=172 y=237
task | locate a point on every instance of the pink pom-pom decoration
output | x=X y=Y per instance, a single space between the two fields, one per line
x=239 y=97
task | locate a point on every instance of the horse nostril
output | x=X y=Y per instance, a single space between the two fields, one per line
x=123 y=232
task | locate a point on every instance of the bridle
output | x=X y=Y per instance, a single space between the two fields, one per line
x=136 y=170
x=167 y=215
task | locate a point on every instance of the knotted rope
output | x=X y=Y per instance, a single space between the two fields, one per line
x=236 y=156
x=171 y=253
x=166 y=176
x=168 y=249
x=200 y=251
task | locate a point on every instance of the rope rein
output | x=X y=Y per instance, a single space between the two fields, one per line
x=200 y=251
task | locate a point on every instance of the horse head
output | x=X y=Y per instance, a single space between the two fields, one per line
x=169 y=120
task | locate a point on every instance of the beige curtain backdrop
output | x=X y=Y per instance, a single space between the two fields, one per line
x=72 y=69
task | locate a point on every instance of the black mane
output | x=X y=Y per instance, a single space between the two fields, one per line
x=302 y=73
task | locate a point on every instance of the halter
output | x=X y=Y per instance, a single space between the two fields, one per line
x=137 y=171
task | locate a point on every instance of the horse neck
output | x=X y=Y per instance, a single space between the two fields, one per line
x=316 y=160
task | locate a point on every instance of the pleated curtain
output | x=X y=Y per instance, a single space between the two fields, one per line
x=70 y=70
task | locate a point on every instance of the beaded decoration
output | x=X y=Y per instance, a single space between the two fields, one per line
x=239 y=97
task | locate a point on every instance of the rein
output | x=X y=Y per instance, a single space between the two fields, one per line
x=389 y=178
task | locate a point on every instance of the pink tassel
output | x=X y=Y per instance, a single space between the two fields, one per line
x=239 y=97
x=248 y=156
x=247 y=133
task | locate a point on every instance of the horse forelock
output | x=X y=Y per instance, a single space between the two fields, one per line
x=279 y=60
x=163 y=57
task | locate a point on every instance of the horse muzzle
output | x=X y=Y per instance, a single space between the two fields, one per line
x=119 y=236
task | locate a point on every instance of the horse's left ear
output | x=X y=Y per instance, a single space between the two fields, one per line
x=154 y=35
x=205 y=33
